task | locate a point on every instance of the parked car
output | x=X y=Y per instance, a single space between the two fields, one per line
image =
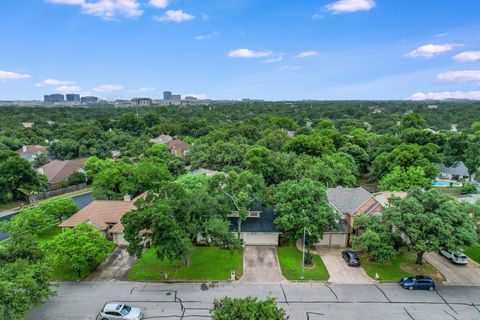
x=454 y=256
x=351 y=257
x=418 y=283
x=119 y=311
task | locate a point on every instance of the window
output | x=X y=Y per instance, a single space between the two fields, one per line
x=125 y=310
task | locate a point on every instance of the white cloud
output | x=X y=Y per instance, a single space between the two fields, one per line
x=307 y=54
x=462 y=75
x=206 y=36
x=109 y=88
x=68 y=89
x=430 y=50
x=287 y=67
x=162 y=4
x=106 y=9
x=467 y=56
x=174 y=16
x=143 y=89
x=248 y=53
x=443 y=34
x=347 y=6
x=473 y=95
x=273 y=60
x=317 y=17
x=53 y=82
x=8 y=75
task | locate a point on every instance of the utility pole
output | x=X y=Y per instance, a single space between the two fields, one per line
x=303 y=252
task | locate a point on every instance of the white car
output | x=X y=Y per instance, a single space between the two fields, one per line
x=119 y=311
x=453 y=256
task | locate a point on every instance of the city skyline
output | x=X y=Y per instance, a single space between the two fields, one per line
x=347 y=49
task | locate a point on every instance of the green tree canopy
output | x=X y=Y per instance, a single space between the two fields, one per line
x=247 y=309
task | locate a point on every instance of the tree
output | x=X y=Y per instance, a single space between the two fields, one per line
x=59 y=209
x=303 y=204
x=260 y=160
x=82 y=248
x=314 y=145
x=33 y=220
x=17 y=173
x=404 y=179
x=413 y=121
x=431 y=220
x=247 y=309
x=472 y=159
x=150 y=174
x=331 y=170
x=24 y=275
x=76 y=178
x=376 y=237
x=242 y=190
x=40 y=160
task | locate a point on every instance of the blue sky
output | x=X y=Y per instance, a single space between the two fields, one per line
x=268 y=49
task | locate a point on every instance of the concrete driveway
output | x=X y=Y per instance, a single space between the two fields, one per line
x=339 y=271
x=455 y=274
x=260 y=265
x=115 y=268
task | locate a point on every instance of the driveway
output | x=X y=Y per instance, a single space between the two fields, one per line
x=455 y=274
x=260 y=265
x=338 y=269
x=115 y=268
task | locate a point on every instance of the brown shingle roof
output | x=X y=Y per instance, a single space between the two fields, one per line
x=102 y=214
x=32 y=149
x=58 y=171
x=178 y=145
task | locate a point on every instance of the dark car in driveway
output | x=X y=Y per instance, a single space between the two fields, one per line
x=351 y=257
x=418 y=283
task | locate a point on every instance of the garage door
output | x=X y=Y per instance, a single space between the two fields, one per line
x=260 y=239
x=333 y=239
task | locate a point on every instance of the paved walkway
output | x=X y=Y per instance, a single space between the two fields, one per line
x=115 y=268
x=455 y=274
x=338 y=269
x=260 y=265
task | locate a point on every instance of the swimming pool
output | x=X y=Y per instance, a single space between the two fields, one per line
x=443 y=183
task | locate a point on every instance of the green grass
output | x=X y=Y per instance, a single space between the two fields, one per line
x=473 y=253
x=62 y=271
x=401 y=266
x=207 y=263
x=10 y=204
x=290 y=259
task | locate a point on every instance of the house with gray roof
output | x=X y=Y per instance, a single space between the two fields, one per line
x=456 y=172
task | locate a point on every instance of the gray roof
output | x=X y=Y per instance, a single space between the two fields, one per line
x=347 y=200
x=263 y=224
x=459 y=170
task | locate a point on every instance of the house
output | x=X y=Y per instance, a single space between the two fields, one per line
x=178 y=148
x=104 y=215
x=432 y=107
x=27 y=124
x=258 y=229
x=349 y=203
x=163 y=139
x=454 y=128
x=457 y=172
x=58 y=171
x=384 y=197
x=30 y=152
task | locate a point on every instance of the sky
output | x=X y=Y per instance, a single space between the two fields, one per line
x=234 y=49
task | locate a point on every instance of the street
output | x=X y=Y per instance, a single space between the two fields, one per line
x=83 y=300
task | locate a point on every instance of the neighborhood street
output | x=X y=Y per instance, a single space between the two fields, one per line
x=455 y=274
x=301 y=300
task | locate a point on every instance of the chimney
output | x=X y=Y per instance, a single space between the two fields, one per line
x=127 y=198
x=24 y=148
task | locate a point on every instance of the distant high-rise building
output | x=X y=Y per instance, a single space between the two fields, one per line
x=190 y=98
x=176 y=97
x=167 y=95
x=72 y=97
x=142 y=101
x=53 y=98
x=89 y=99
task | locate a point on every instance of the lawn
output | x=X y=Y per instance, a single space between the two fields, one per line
x=401 y=266
x=207 y=263
x=473 y=253
x=290 y=259
x=9 y=204
x=62 y=271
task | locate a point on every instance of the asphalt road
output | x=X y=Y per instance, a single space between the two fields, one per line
x=81 y=200
x=312 y=301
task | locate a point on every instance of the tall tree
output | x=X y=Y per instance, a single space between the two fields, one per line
x=431 y=220
x=303 y=204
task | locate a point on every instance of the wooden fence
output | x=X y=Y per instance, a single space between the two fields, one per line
x=45 y=195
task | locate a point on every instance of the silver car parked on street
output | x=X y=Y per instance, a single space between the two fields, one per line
x=119 y=311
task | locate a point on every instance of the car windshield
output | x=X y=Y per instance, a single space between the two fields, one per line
x=125 y=310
